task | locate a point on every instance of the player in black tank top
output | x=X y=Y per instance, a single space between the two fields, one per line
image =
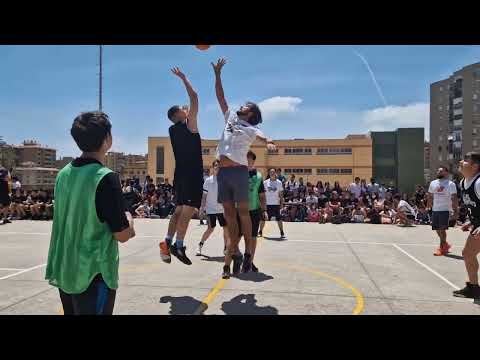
x=470 y=169
x=188 y=181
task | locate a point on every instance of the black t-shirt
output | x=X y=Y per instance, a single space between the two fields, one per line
x=18 y=199
x=187 y=148
x=3 y=183
x=109 y=200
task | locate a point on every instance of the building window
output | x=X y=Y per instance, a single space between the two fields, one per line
x=440 y=157
x=440 y=108
x=346 y=171
x=322 y=171
x=441 y=88
x=475 y=143
x=205 y=151
x=334 y=151
x=298 y=171
x=475 y=96
x=273 y=152
x=440 y=138
x=298 y=151
x=160 y=160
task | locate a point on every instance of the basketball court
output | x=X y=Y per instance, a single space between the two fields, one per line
x=350 y=269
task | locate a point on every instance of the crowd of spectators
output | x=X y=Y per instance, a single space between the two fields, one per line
x=359 y=202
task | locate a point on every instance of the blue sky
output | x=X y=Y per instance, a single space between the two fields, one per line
x=304 y=91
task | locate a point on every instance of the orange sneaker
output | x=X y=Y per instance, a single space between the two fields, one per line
x=446 y=248
x=438 y=252
x=165 y=252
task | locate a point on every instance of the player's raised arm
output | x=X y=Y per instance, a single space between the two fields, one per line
x=217 y=68
x=193 y=110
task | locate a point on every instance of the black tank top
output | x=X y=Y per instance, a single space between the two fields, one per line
x=471 y=200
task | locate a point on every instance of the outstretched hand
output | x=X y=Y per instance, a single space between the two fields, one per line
x=219 y=65
x=176 y=71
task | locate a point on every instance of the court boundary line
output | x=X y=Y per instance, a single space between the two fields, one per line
x=22 y=272
x=425 y=266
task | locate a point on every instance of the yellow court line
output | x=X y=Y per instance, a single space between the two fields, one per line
x=358 y=295
x=220 y=284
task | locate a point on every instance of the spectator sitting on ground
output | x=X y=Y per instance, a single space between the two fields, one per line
x=311 y=199
x=422 y=217
x=387 y=214
x=337 y=188
x=358 y=215
x=405 y=212
x=313 y=214
x=334 y=202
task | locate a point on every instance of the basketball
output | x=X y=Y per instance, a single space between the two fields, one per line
x=202 y=47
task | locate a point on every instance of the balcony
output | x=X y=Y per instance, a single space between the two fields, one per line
x=457 y=100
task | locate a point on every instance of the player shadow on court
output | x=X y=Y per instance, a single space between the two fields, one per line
x=181 y=305
x=219 y=259
x=452 y=256
x=246 y=305
x=274 y=238
x=254 y=277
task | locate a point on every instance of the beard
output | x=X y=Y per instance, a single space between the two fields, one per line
x=440 y=177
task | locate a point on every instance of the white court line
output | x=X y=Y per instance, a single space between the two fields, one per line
x=426 y=267
x=21 y=272
x=355 y=242
x=21 y=233
x=9 y=269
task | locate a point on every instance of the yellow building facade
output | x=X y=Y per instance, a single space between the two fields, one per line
x=313 y=159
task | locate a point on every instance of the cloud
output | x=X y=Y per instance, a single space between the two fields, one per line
x=393 y=117
x=279 y=106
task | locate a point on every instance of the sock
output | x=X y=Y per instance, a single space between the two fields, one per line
x=201 y=243
x=168 y=240
x=179 y=243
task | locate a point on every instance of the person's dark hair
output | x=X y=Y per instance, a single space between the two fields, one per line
x=357 y=178
x=90 y=129
x=257 y=114
x=372 y=180
x=172 y=111
x=473 y=157
x=252 y=155
x=397 y=197
x=216 y=162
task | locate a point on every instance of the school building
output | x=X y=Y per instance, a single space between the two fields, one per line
x=313 y=159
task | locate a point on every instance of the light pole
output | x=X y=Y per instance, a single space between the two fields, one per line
x=100 y=79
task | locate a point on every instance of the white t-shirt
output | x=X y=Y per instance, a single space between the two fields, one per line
x=373 y=188
x=311 y=199
x=272 y=191
x=442 y=190
x=237 y=137
x=381 y=192
x=406 y=207
x=293 y=185
x=210 y=186
x=355 y=189
x=16 y=185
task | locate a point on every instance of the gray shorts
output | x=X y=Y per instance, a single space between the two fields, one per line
x=233 y=184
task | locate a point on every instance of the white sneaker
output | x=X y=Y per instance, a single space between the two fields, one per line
x=199 y=250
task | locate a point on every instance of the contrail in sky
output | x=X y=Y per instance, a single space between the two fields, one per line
x=379 y=90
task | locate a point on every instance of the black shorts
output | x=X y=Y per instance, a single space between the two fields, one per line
x=188 y=191
x=273 y=211
x=255 y=217
x=440 y=220
x=5 y=200
x=212 y=220
x=98 y=299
